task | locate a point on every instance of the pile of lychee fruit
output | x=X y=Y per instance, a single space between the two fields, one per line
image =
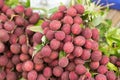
x=71 y=52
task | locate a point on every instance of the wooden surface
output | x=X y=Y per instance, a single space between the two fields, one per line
x=114 y=15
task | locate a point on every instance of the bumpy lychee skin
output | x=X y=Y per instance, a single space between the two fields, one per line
x=68 y=20
x=66 y=28
x=71 y=11
x=54 y=55
x=1 y=3
x=63 y=62
x=79 y=61
x=73 y=76
x=68 y=38
x=104 y=60
x=2 y=47
x=80 y=69
x=2 y=75
x=78 y=20
x=70 y=66
x=15 y=59
x=85 y=55
x=62 y=8
x=15 y=48
x=94 y=65
x=68 y=47
x=41 y=77
x=32 y=75
x=76 y=29
x=50 y=34
x=79 y=40
x=54 y=44
x=65 y=75
x=113 y=59
x=37 y=37
x=5 y=8
x=87 y=33
x=9 y=25
x=28 y=12
x=19 y=9
x=95 y=34
x=102 y=69
x=45 y=24
x=96 y=55
x=47 y=72
x=27 y=66
x=46 y=51
x=89 y=44
x=100 y=77
x=10 y=12
x=4 y=36
x=95 y=45
x=3 y=18
x=19 y=21
x=60 y=35
x=11 y=76
x=79 y=8
x=55 y=25
x=34 y=18
x=56 y=16
x=3 y=60
x=78 y=51
x=57 y=71
x=24 y=57
x=19 y=67
x=111 y=75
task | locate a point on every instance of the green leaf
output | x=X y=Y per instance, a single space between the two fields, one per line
x=22 y=79
x=27 y=3
x=72 y=2
x=52 y=10
x=36 y=29
x=62 y=54
x=39 y=22
x=112 y=67
x=12 y=3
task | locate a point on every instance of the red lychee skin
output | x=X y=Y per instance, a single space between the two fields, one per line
x=9 y=25
x=54 y=63
x=76 y=29
x=29 y=32
x=22 y=39
x=37 y=37
x=77 y=51
x=2 y=75
x=95 y=45
x=11 y=76
x=39 y=67
x=118 y=63
x=94 y=65
x=87 y=33
x=34 y=18
x=95 y=34
x=28 y=66
x=46 y=51
x=24 y=75
x=68 y=20
x=88 y=44
x=100 y=77
x=80 y=69
x=113 y=59
x=15 y=59
x=19 y=67
x=2 y=47
x=47 y=60
x=79 y=8
x=70 y=66
x=32 y=75
x=71 y=56
x=65 y=75
x=56 y=16
x=111 y=75
x=3 y=18
x=50 y=34
x=41 y=77
x=24 y=48
x=96 y=55
x=4 y=36
x=68 y=38
x=68 y=47
x=66 y=28
x=28 y=12
x=57 y=71
x=63 y=62
x=24 y=57
x=3 y=60
x=102 y=69
x=55 y=25
x=37 y=60
x=71 y=11
x=78 y=20
x=73 y=76
x=13 y=39
x=62 y=8
x=1 y=3
x=18 y=31
x=15 y=48
x=8 y=54
x=85 y=55
x=60 y=35
x=4 y=8
x=54 y=55
x=9 y=65
x=1 y=25
x=104 y=60
x=79 y=61
x=19 y=9
x=19 y=21
x=54 y=44
x=10 y=12
x=47 y=72
x=45 y=24
x=79 y=40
